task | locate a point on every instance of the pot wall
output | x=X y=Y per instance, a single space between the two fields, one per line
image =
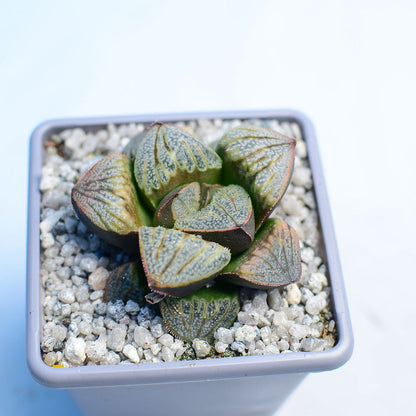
x=234 y=397
x=239 y=385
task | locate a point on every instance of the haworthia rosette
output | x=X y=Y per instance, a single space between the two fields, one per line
x=106 y=201
x=261 y=160
x=176 y=263
x=198 y=315
x=168 y=157
x=272 y=260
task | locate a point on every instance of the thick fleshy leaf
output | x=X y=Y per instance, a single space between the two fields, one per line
x=272 y=260
x=127 y=282
x=228 y=219
x=176 y=263
x=198 y=315
x=106 y=201
x=182 y=201
x=261 y=160
x=168 y=157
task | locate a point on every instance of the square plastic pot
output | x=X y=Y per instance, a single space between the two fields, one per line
x=252 y=385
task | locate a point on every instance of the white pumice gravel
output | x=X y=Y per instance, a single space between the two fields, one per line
x=81 y=329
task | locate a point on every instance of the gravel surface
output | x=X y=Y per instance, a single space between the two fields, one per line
x=80 y=329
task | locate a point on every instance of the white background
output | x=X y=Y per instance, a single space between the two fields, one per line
x=349 y=65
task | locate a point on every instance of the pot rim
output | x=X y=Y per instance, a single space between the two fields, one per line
x=182 y=371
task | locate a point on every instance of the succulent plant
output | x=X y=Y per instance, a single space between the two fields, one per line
x=201 y=217
x=106 y=201
x=261 y=160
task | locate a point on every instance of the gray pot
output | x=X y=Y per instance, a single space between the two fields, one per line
x=253 y=385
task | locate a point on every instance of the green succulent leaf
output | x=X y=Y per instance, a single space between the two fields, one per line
x=272 y=260
x=182 y=201
x=176 y=263
x=198 y=315
x=127 y=282
x=228 y=219
x=261 y=160
x=168 y=157
x=106 y=201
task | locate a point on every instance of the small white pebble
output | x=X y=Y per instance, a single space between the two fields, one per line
x=88 y=263
x=98 y=278
x=48 y=223
x=280 y=318
x=116 y=338
x=302 y=177
x=132 y=307
x=313 y=344
x=316 y=282
x=111 y=358
x=238 y=346
x=260 y=301
x=306 y=294
x=292 y=205
x=157 y=330
x=50 y=358
x=155 y=348
x=248 y=318
x=75 y=350
x=201 y=347
x=97 y=294
x=47 y=240
x=293 y=294
x=59 y=332
x=275 y=299
x=220 y=347
x=143 y=337
x=316 y=304
x=66 y=296
x=224 y=335
x=266 y=334
x=69 y=248
x=66 y=310
x=81 y=293
x=299 y=331
x=271 y=349
x=246 y=334
x=96 y=350
x=283 y=345
x=166 y=340
x=301 y=149
x=85 y=328
x=167 y=354
x=131 y=353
